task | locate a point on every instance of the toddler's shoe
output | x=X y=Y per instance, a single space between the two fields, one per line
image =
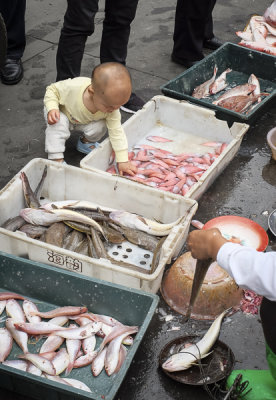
x=85 y=147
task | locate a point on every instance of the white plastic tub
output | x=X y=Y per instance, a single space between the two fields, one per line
x=64 y=182
x=188 y=125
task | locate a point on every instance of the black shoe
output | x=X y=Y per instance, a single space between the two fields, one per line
x=182 y=61
x=12 y=71
x=213 y=43
x=133 y=105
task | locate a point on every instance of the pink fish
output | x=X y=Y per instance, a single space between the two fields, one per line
x=180 y=175
x=185 y=189
x=190 y=169
x=131 y=155
x=178 y=186
x=244 y=89
x=112 y=170
x=202 y=90
x=197 y=224
x=158 y=139
x=211 y=144
x=239 y=103
x=259 y=46
x=254 y=80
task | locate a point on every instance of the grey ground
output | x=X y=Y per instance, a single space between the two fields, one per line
x=245 y=188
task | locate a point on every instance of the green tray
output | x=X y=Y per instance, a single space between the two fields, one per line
x=243 y=62
x=50 y=287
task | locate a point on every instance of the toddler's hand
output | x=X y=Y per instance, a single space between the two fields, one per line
x=126 y=167
x=53 y=116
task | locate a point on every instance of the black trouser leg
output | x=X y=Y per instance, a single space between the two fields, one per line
x=191 y=19
x=13 y=13
x=78 y=25
x=116 y=29
x=268 y=317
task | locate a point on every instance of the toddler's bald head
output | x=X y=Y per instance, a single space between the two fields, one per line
x=112 y=82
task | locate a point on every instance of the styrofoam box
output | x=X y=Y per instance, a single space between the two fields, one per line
x=187 y=125
x=64 y=182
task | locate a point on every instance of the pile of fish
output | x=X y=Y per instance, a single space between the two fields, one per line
x=79 y=339
x=189 y=356
x=242 y=98
x=82 y=227
x=175 y=173
x=260 y=33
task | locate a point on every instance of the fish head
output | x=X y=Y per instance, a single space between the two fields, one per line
x=172 y=364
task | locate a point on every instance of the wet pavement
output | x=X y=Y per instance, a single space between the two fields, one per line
x=245 y=188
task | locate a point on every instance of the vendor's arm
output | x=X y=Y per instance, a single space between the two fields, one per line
x=119 y=143
x=249 y=268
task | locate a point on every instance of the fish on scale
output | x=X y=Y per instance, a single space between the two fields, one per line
x=175 y=173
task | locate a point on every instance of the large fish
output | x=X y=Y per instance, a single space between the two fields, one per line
x=199 y=275
x=61 y=311
x=240 y=90
x=185 y=359
x=240 y=103
x=135 y=221
x=270 y=14
x=260 y=46
x=202 y=90
x=44 y=217
x=5 y=344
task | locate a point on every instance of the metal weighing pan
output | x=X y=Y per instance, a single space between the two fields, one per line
x=217 y=366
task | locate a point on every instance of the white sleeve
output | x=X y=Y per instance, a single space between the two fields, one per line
x=250 y=269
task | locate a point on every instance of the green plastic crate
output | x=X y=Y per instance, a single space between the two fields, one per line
x=243 y=62
x=50 y=287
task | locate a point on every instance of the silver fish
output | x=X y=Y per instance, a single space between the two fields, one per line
x=40 y=362
x=185 y=359
x=98 y=362
x=84 y=360
x=53 y=342
x=220 y=82
x=113 y=351
x=61 y=311
x=80 y=333
x=14 y=310
x=38 y=328
x=135 y=221
x=61 y=361
x=18 y=364
x=202 y=90
x=43 y=217
x=77 y=384
x=5 y=343
x=28 y=307
x=2 y=305
x=73 y=347
x=21 y=338
x=32 y=369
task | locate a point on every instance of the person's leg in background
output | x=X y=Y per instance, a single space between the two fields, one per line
x=13 y=13
x=191 y=18
x=78 y=25
x=210 y=40
x=119 y=15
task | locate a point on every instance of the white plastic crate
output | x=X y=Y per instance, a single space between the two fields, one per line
x=188 y=125
x=64 y=182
